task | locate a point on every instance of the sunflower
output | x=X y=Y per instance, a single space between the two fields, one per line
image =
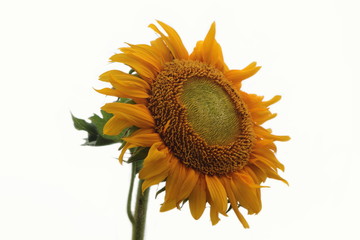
x=203 y=132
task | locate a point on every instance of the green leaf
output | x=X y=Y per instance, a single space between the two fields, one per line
x=81 y=124
x=183 y=202
x=100 y=141
x=160 y=191
x=95 y=130
x=138 y=153
x=95 y=127
x=127 y=132
x=230 y=207
x=125 y=100
x=99 y=123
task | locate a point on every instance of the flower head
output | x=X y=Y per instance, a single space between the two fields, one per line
x=204 y=133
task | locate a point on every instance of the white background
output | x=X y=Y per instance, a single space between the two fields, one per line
x=52 y=52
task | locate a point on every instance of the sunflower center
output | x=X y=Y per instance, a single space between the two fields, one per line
x=201 y=118
x=210 y=111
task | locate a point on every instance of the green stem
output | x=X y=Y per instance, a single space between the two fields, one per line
x=128 y=208
x=140 y=213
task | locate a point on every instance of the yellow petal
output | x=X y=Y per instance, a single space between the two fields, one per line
x=197 y=199
x=119 y=76
x=115 y=125
x=217 y=193
x=173 y=184
x=154 y=180
x=265 y=143
x=212 y=52
x=214 y=215
x=265 y=133
x=188 y=184
x=271 y=173
x=156 y=162
x=197 y=52
x=233 y=203
x=123 y=151
x=263 y=160
x=142 y=68
x=173 y=41
x=144 y=140
x=246 y=195
x=162 y=50
x=237 y=76
x=209 y=55
x=142 y=99
x=125 y=92
x=136 y=114
x=132 y=145
x=250 y=66
x=272 y=101
x=147 y=54
x=131 y=89
x=109 y=92
x=268 y=156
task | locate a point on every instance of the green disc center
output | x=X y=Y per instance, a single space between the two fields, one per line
x=210 y=111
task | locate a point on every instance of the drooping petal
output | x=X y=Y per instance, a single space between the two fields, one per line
x=147 y=54
x=214 y=215
x=109 y=92
x=141 y=67
x=125 y=86
x=262 y=115
x=244 y=193
x=265 y=143
x=265 y=133
x=237 y=76
x=173 y=41
x=129 y=145
x=136 y=114
x=119 y=76
x=154 y=180
x=173 y=184
x=162 y=50
x=156 y=166
x=233 y=202
x=271 y=173
x=124 y=92
x=123 y=151
x=187 y=185
x=144 y=140
x=131 y=89
x=197 y=198
x=116 y=93
x=115 y=125
x=156 y=162
x=217 y=193
x=275 y=99
x=268 y=155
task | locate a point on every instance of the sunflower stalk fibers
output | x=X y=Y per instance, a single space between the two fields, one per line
x=140 y=213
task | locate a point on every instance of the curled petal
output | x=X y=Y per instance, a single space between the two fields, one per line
x=173 y=40
x=136 y=114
